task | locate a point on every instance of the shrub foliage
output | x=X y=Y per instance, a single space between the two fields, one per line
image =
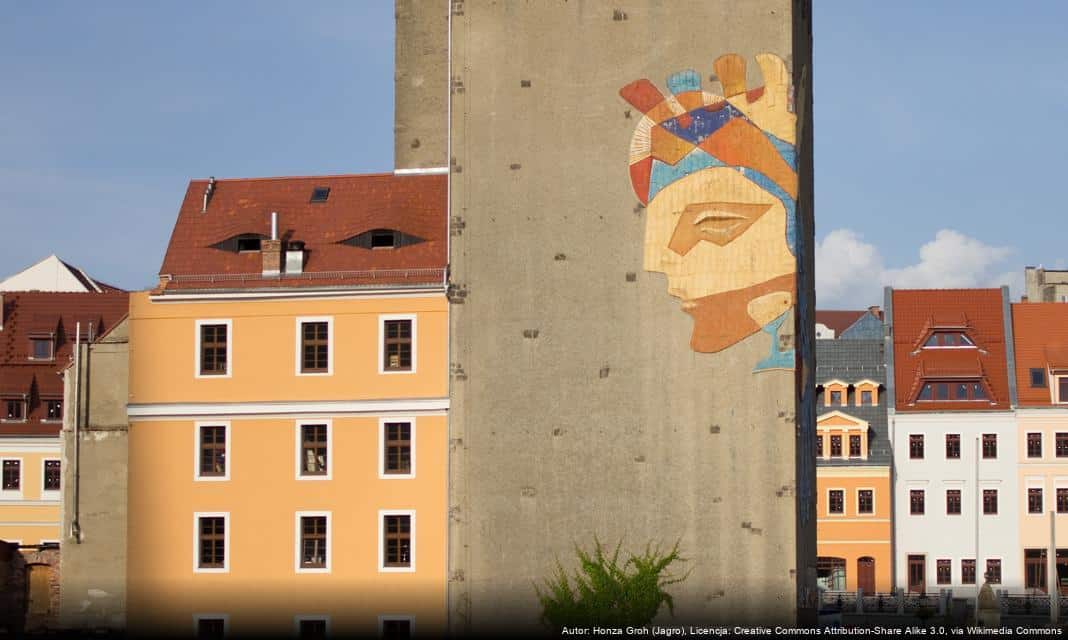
x=604 y=593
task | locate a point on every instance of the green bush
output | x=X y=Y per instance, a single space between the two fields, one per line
x=604 y=593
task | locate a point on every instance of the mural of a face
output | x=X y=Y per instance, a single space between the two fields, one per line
x=719 y=178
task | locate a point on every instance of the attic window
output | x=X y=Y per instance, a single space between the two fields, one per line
x=383 y=239
x=953 y=391
x=1038 y=378
x=949 y=339
x=320 y=194
x=41 y=348
x=248 y=244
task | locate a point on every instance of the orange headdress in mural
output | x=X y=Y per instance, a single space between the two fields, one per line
x=719 y=177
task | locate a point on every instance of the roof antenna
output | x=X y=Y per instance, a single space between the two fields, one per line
x=207 y=193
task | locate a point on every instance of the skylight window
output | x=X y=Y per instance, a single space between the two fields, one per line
x=320 y=194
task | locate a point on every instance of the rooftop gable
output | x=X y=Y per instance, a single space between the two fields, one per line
x=54 y=275
x=331 y=217
x=1040 y=332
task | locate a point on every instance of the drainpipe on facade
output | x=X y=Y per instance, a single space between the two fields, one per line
x=75 y=527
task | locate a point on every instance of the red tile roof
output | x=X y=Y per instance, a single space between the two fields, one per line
x=1040 y=331
x=51 y=314
x=414 y=205
x=976 y=312
x=839 y=321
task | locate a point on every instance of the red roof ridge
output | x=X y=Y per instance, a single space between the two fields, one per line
x=311 y=177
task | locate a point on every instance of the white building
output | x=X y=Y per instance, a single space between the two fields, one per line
x=953 y=430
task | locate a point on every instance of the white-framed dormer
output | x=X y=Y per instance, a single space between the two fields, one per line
x=412 y=540
x=310 y=469
x=198 y=566
x=51 y=476
x=301 y=618
x=1058 y=385
x=199 y=433
x=832 y=387
x=413 y=340
x=299 y=345
x=198 y=348
x=866 y=386
x=383 y=472
x=12 y=479
x=320 y=559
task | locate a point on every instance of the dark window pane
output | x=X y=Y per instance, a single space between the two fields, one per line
x=953 y=446
x=52 y=475
x=1038 y=378
x=916 y=502
x=865 y=501
x=1034 y=500
x=967 y=571
x=953 y=501
x=12 y=475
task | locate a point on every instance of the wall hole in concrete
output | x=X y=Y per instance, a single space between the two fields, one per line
x=560 y=256
x=415 y=143
x=638 y=208
x=528 y=492
x=604 y=372
x=524 y=83
x=714 y=429
x=619 y=15
x=631 y=276
x=626 y=114
x=530 y=333
x=515 y=166
x=639 y=459
x=558 y=432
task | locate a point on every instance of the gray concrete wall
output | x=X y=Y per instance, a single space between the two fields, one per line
x=93 y=564
x=421 y=84
x=580 y=410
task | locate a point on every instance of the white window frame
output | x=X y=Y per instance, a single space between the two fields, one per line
x=382 y=618
x=51 y=494
x=1040 y=484
x=382 y=513
x=1055 y=387
x=8 y=494
x=301 y=617
x=25 y=409
x=51 y=347
x=960 y=445
x=329 y=541
x=225 y=515
x=874 y=507
x=985 y=560
x=382 y=341
x=298 y=428
x=1041 y=443
x=196 y=450
x=831 y=514
x=225 y=617
x=298 y=361
x=382 y=475
x=229 y=348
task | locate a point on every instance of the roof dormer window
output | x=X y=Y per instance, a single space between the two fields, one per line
x=949 y=339
x=383 y=239
x=953 y=391
x=320 y=194
x=41 y=348
x=248 y=244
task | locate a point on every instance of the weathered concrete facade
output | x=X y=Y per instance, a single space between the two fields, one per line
x=584 y=404
x=93 y=563
x=420 y=131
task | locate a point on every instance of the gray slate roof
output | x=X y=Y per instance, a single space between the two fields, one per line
x=852 y=361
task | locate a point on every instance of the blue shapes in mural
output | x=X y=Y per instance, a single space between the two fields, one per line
x=776 y=359
x=664 y=174
x=767 y=184
x=683 y=81
x=701 y=123
x=785 y=149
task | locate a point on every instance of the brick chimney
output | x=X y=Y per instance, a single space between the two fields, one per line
x=271 y=251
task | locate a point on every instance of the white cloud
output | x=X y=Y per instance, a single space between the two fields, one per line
x=850 y=273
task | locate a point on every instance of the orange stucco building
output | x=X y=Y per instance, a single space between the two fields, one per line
x=288 y=399
x=853 y=506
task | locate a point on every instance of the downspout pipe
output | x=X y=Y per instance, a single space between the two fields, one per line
x=75 y=525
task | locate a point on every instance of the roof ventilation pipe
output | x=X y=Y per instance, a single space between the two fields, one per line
x=210 y=189
x=295 y=257
x=271 y=251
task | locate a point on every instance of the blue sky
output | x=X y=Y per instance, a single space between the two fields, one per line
x=940 y=128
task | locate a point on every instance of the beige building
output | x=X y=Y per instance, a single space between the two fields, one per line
x=1045 y=285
